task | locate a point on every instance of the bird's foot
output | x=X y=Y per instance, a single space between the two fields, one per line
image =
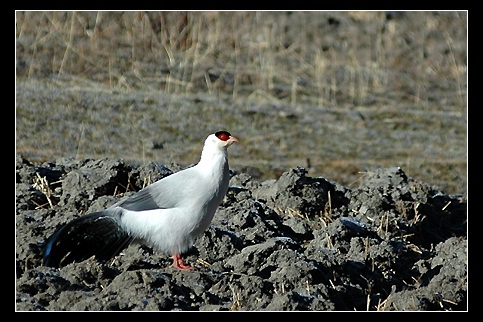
x=178 y=263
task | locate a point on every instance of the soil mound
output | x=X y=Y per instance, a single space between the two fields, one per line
x=295 y=243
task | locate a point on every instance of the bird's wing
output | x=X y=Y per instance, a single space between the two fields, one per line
x=144 y=199
x=163 y=194
x=98 y=234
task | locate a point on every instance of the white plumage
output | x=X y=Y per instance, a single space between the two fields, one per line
x=167 y=215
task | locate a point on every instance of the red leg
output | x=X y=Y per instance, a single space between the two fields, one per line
x=178 y=263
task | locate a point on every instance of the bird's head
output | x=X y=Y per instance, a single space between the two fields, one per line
x=215 y=148
x=222 y=139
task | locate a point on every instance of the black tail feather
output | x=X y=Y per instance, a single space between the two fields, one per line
x=98 y=234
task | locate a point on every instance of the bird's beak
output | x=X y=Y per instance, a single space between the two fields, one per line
x=232 y=140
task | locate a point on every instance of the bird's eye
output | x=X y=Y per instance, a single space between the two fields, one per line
x=223 y=135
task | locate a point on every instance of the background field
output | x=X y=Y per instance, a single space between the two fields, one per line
x=337 y=92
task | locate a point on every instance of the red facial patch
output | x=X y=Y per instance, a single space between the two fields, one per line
x=223 y=135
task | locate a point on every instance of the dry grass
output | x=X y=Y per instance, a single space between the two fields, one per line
x=380 y=89
x=291 y=57
x=40 y=183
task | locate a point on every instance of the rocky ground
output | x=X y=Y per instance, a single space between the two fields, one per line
x=294 y=243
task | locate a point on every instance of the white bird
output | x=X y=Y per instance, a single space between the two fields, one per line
x=167 y=215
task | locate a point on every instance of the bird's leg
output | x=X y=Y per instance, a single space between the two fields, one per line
x=178 y=263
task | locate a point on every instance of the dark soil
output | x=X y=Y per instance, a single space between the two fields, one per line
x=295 y=243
